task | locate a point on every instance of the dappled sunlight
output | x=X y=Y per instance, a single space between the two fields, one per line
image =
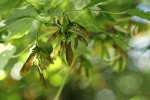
x=2 y=74
x=15 y=71
x=105 y=94
x=140 y=41
x=129 y=83
x=2 y=47
x=56 y=80
x=140 y=53
x=5 y=47
x=57 y=65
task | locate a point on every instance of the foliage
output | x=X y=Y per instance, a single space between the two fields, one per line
x=77 y=49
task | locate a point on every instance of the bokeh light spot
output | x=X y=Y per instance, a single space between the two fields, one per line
x=57 y=65
x=2 y=74
x=106 y=94
x=56 y=80
x=129 y=84
x=15 y=71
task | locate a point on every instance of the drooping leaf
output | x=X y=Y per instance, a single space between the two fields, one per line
x=87 y=66
x=56 y=50
x=42 y=77
x=79 y=29
x=27 y=65
x=139 y=13
x=69 y=53
x=19 y=23
x=82 y=40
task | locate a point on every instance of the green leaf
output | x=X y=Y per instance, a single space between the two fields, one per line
x=97 y=3
x=53 y=8
x=8 y=4
x=108 y=16
x=28 y=12
x=139 y=13
x=20 y=28
x=19 y=23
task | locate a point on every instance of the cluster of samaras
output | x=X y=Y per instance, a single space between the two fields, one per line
x=67 y=32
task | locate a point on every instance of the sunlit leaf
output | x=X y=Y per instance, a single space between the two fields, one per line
x=20 y=28
x=20 y=21
x=139 y=13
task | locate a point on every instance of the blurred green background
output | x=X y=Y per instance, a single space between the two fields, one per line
x=114 y=66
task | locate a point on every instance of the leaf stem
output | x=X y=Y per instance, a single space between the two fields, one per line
x=37 y=35
x=98 y=10
x=64 y=81
x=61 y=88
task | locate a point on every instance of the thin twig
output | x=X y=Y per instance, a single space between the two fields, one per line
x=98 y=10
x=37 y=35
x=27 y=48
x=61 y=87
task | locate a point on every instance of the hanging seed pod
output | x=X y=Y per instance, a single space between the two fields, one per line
x=79 y=70
x=42 y=78
x=69 y=54
x=52 y=38
x=27 y=65
x=66 y=19
x=87 y=73
x=82 y=40
x=62 y=45
x=58 y=22
x=56 y=50
x=77 y=28
x=44 y=64
x=75 y=43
